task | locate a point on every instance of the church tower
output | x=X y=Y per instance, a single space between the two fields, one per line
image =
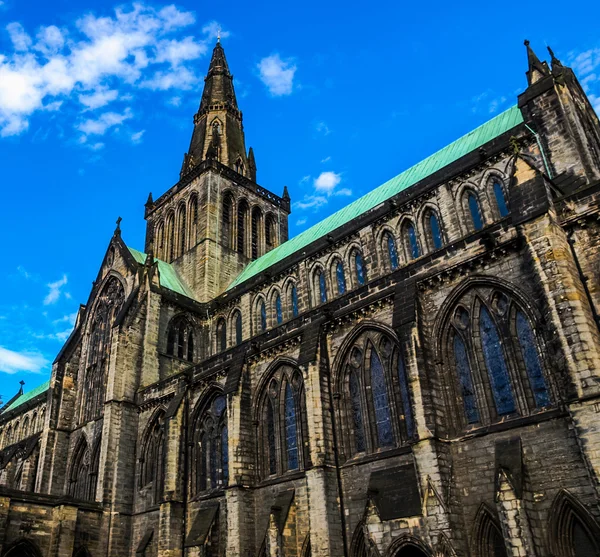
x=216 y=219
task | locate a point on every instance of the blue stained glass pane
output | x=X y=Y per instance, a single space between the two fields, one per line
x=271 y=438
x=219 y=405
x=475 y=213
x=500 y=199
x=405 y=394
x=412 y=239
x=278 y=310
x=213 y=463
x=238 y=328
x=380 y=402
x=436 y=234
x=360 y=270
x=294 y=301
x=392 y=253
x=322 y=287
x=357 y=417
x=341 y=279
x=291 y=433
x=496 y=364
x=532 y=361
x=466 y=382
x=263 y=317
x=225 y=454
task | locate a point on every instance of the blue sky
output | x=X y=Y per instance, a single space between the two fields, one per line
x=97 y=99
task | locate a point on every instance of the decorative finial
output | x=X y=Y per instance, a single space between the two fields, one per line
x=218 y=34
x=21 y=382
x=149 y=201
x=555 y=61
x=118 y=228
x=526 y=42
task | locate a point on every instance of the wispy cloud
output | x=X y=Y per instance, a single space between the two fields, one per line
x=100 y=125
x=326 y=159
x=14 y=362
x=586 y=65
x=323 y=128
x=488 y=101
x=56 y=291
x=137 y=136
x=277 y=74
x=97 y=60
x=325 y=185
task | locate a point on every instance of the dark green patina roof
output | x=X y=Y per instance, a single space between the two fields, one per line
x=168 y=275
x=466 y=144
x=27 y=396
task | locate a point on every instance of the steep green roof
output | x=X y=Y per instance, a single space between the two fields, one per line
x=168 y=275
x=27 y=396
x=473 y=140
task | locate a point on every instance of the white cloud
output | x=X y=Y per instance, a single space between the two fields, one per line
x=97 y=60
x=300 y=222
x=174 y=101
x=311 y=202
x=326 y=159
x=323 y=128
x=102 y=124
x=137 y=136
x=55 y=291
x=13 y=362
x=327 y=182
x=277 y=74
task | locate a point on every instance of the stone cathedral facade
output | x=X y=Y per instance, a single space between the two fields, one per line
x=416 y=375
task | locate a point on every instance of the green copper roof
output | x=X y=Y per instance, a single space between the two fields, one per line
x=473 y=140
x=168 y=275
x=28 y=396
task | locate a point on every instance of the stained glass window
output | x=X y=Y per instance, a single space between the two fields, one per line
x=357 y=416
x=238 y=328
x=271 y=438
x=360 y=269
x=392 y=253
x=405 y=396
x=294 y=301
x=496 y=364
x=436 y=234
x=500 y=199
x=291 y=433
x=225 y=455
x=475 y=212
x=466 y=382
x=341 y=279
x=263 y=317
x=380 y=402
x=190 y=347
x=278 y=310
x=322 y=286
x=532 y=361
x=222 y=335
x=213 y=463
x=412 y=242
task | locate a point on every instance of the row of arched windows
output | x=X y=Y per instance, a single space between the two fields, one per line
x=22 y=428
x=247 y=230
x=177 y=232
x=337 y=277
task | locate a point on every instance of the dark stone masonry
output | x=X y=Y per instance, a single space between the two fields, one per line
x=417 y=375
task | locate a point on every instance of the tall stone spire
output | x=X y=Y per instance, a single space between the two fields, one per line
x=218 y=129
x=536 y=69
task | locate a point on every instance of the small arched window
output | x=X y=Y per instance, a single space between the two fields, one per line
x=182 y=231
x=474 y=211
x=180 y=339
x=221 y=335
x=242 y=216
x=170 y=243
x=228 y=221
x=256 y=232
x=434 y=231
x=359 y=268
x=270 y=232
x=263 y=316
x=500 y=199
x=390 y=246
x=340 y=278
x=412 y=244
x=152 y=457
x=294 y=301
x=321 y=285
x=278 y=309
x=237 y=319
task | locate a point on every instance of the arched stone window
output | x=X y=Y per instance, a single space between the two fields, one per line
x=239 y=166
x=221 y=335
x=375 y=405
x=227 y=221
x=159 y=240
x=210 y=458
x=359 y=546
x=242 y=217
x=411 y=242
x=320 y=286
x=108 y=305
x=500 y=198
x=22 y=548
x=182 y=229
x=294 y=300
x=389 y=246
x=473 y=211
x=433 y=230
x=261 y=316
x=360 y=270
x=270 y=232
x=84 y=471
x=237 y=323
x=278 y=309
x=339 y=277
x=193 y=218
x=152 y=457
x=169 y=251
x=282 y=423
x=487 y=535
x=180 y=338
x=490 y=344
x=256 y=233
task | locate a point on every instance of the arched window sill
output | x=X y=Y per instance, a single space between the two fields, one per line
x=381 y=454
x=285 y=477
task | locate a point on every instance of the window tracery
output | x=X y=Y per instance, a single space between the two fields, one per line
x=413 y=251
x=434 y=232
x=392 y=252
x=152 y=457
x=180 y=338
x=84 y=471
x=340 y=278
x=360 y=270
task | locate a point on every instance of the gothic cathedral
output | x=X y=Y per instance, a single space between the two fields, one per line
x=416 y=375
